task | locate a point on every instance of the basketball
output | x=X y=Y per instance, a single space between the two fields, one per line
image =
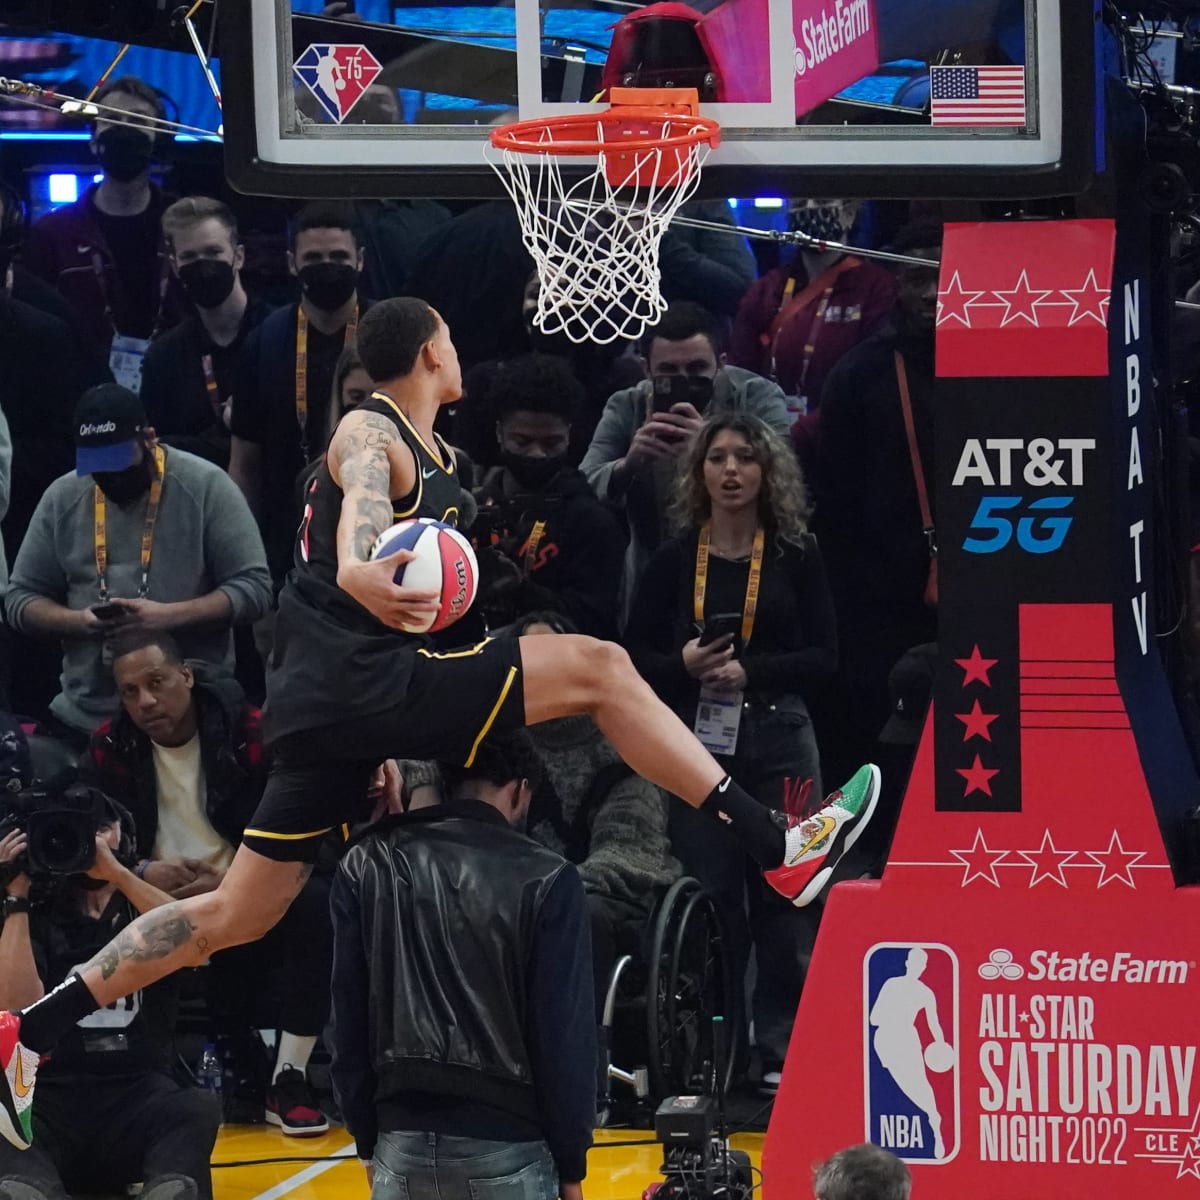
x=939 y=1057
x=444 y=563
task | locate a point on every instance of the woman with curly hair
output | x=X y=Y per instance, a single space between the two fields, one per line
x=732 y=621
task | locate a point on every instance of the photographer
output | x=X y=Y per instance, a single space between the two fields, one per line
x=108 y=1114
x=546 y=541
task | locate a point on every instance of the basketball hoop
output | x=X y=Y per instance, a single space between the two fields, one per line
x=595 y=239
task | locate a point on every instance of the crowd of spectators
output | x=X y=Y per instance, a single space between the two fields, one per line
x=158 y=420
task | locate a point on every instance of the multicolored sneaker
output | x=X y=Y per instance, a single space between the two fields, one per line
x=18 y=1068
x=814 y=846
x=292 y=1106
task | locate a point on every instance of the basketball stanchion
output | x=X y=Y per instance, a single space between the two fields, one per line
x=594 y=234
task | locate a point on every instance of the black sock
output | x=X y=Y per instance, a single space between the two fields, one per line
x=750 y=822
x=46 y=1020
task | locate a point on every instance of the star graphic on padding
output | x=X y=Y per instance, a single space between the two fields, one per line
x=980 y=862
x=954 y=302
x=1047 y=861
x=1021 y=301
x=977 y=723
x=976 y=667
x=978 y=777
x=1091 y=300
x=1115 y=862
x=1189 y=1164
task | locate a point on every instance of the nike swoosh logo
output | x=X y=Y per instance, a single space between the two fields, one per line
x=429 y=474
x=828 y=825
x=723 y=786
x=21 y=1088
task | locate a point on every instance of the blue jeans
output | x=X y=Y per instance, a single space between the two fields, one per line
x=436 y=1166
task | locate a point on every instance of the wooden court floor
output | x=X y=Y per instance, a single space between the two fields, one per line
x=615 y=1173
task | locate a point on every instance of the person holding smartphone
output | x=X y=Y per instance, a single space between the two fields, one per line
x=731 y=622
x=645 y=429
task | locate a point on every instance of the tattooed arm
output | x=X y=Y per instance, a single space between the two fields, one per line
x=367 y=459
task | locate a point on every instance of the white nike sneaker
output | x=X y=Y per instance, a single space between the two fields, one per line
x=814 y=845
x=18 y=1068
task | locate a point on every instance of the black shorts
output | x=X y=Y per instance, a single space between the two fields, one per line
x=318 y=778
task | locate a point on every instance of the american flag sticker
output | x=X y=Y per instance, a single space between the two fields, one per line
x=977 y=95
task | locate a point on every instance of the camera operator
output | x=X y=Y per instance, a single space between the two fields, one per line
x=108 y=1113
x=546 y=542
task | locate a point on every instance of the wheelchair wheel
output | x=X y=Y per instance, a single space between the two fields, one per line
x=688 y=984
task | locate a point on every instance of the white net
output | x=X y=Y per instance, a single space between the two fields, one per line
x=595 y=240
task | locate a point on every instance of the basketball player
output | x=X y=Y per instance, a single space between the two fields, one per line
x=346 y=690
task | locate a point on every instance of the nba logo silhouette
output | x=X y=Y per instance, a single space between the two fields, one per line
x=910 y=1050
x=337 y=76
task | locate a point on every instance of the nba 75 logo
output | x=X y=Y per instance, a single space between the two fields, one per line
x=910 y=1051
x=338 y=76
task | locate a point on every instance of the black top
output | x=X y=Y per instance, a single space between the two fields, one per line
x=462 y=994
x=130 y=1036
x=174 y=389
x=133 y=242
x=264 y=412
x=332 y=659
x=794 y=640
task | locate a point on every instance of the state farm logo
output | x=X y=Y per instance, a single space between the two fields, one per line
x=88 y=430
x=1122 y=967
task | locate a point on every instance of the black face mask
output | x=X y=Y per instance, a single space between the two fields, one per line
x=532 y=473
x=824 y=223
x=327 y=284
x=207 y=281
x=124 y=153
x=124 y=487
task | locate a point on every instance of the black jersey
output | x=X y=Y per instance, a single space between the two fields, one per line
x=332 y=659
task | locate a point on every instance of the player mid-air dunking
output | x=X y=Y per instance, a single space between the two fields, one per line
x=347 y=690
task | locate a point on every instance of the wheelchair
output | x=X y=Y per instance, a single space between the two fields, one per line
x=662 y=1008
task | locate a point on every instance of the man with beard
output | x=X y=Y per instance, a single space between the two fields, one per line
x=876 y=549
x=103 y=252
x=281 y=393
x=137 y=537
x=188 y=377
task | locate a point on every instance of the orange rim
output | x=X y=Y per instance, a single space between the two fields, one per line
x=523 y=137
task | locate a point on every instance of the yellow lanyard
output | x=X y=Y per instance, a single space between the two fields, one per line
x=101 y=518
x=302 y=369
x=210 y=382
x=752 y=583
x=531 y=547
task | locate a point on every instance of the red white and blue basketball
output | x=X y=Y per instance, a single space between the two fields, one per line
x=444 y=563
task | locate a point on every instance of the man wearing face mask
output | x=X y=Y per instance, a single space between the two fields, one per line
x=545 y=541
x=137 y=537
x=644 y=429
x=286 y=370
x=188 y=377
x=797 y=321
x=103 y=252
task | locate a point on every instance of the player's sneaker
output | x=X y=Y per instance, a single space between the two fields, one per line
x=292 y=1106
x=18 y=1068
x=814 y=846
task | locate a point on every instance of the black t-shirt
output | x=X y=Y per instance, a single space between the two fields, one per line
x=174 y=385
x=130 y=1036
x=265 y=413
x=332 y=659
x=133 y=243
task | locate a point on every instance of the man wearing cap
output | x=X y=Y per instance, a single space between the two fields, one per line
x=138 y=536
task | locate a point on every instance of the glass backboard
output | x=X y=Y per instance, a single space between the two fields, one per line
x=868 y=97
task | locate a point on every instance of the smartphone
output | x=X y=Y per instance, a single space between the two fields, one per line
x=721 y=625
x=107 y=612
x=664 y=393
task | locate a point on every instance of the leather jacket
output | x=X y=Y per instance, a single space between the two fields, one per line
x=448 y=901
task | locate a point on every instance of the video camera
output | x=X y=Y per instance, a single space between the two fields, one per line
x=697 y=1161
x=60 y=822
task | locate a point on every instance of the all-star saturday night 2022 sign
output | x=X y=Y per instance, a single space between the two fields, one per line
x=1014 y=1009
